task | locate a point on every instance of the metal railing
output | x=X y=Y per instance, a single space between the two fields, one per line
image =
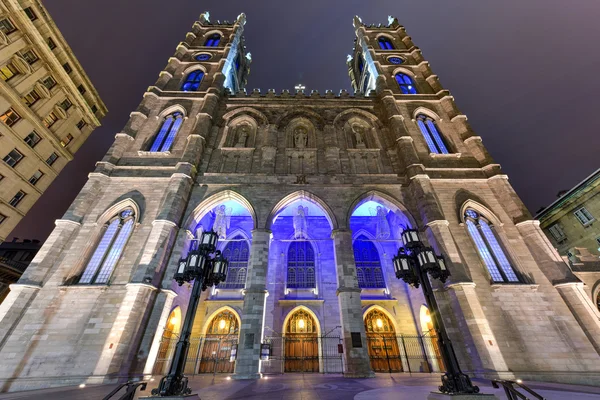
x=513 y=393
x=131 y=388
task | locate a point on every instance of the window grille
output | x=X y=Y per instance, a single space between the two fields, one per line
x=406 y=84
x=431 y=134
x=368 y=264
x=237 y=253
x=166 y=135
x=301 y=265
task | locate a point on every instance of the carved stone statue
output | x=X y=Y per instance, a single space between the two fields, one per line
x=243 y=133
x=300 y=137
x=383 y=227
x=300 y=224
x=222 y=221
x=358 y=130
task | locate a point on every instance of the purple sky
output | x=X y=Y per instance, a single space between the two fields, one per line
x=524 y=72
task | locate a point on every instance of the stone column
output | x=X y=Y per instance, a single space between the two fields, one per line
x=356 y=355
x=247 y=365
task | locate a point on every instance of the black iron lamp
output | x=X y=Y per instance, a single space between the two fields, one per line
x=412 y=264
x=205 y=271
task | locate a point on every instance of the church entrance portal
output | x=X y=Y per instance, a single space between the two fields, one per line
x=217 y=345
x=301 y=343
x=382 y=343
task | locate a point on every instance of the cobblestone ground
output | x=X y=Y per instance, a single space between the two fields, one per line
x=314 y=386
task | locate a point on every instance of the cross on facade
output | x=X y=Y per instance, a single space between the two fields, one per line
x=299 y=88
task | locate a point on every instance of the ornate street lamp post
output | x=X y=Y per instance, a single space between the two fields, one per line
x=205 y=272
x=412 y=264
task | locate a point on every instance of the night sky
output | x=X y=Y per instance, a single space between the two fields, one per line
x=524 y=72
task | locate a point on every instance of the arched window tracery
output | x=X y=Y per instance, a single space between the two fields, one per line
x=102 y=263
x=489 y=248
x=376 y=321
x=237 y=253
x=168 y=130
x=213 y=40
x=385 y=43
x=224 y=323
x=432 y=136
x=301 y=265
x=368 y=264
x=301 y=322
x=192 y=81
x=406 y=84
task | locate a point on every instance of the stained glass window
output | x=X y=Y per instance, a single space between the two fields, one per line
x=301 y=265
x=109 y=249
x=396 y=60
x=432 y=135
x=203 y=57
x=237 y=253
x=489 y=248
x=213 y=40
x=407 y=86
x=385 y=43
x=368 y=264
x=166 y=135
x=192 y=81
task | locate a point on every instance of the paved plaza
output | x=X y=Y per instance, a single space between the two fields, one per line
x=313 y=386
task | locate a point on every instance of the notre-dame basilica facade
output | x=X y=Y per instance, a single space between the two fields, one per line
x=309 y=194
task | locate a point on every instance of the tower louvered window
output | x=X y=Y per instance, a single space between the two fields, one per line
x=237 y=252
x=168 y=130
x=109 y=249
x=432 y=135
x=368 y=264
x=192 y=81
x=301 y=265
x=406 y=84
x=213 y=40
x=385 y=43
x=489 y=248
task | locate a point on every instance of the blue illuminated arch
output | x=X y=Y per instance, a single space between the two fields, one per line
x=385 y=43
x=431 y=134
x=301 y=265
x=237 y=253
x=213 y=40
x=168 y=130
x=192 y=81
x=406 y=84
x=368 y=264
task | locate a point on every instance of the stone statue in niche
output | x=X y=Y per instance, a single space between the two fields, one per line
x=222 y=221
x=242 y=136
x=300 y=137
x=383 y=227
x=300 y=224
x=359 y=135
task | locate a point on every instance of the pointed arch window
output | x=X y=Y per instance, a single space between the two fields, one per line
x=192 y=81
x=489 y=248
x=406 y=84
x=368 y=264
x=237 y=252
x=431 y=134
x=385 y=43
x=301 y=265
x=213 y=40
x=166 y=135
x=109 y=249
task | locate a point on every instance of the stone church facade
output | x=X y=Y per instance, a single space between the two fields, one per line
x=309 y=194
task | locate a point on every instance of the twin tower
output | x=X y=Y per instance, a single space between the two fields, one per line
x=309 y=194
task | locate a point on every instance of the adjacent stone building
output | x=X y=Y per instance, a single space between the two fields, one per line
x=48 y=107
x=15 y=256
x=570 y=223
x=309 y=193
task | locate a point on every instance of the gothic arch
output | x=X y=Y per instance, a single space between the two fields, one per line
x=303 y=308
x=118 y=206
x=377 y=307
x=209 y=319
x=369 y=235
x=316 y=119
x=387 y=200
x=192 y=68
x=200 y=39
x=259 y=117
x=213 y=200
x=300 y=121
x=231 y=135
x=340 y=118
x=171 y=109
x=425 y=111
x=302 y=194
x=481 y=209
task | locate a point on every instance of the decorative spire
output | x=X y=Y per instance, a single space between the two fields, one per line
x=204 y=18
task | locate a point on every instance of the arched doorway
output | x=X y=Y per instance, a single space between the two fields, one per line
x=168 y=342
x=382 y=342
x=301 y=343
x=220 y=339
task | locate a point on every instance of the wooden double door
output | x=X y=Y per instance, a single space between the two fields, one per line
x=216 y=354
x=301 y=353
x=384 y=352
